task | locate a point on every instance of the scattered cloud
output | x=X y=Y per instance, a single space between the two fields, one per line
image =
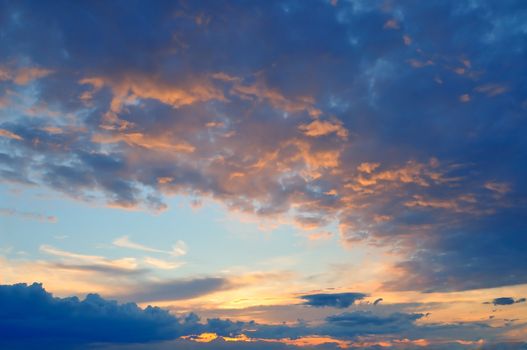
x=505 y=301
x=30 y=316
x=28 y=215
x=338 y=300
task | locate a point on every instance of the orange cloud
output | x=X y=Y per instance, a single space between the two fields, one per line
x=26 y=75
x=314 y=341
x=419 y=64
x=150 y=142
x=391 y=24
x=276 y=99
x=132 y=88
x=464 y=98
x=318 y=236
x=10 y=135
x=411 y=172
x=23 y=76
x=492 y=90
x=136 y=86
x=498 y=187
x=319 y=128
x=368 y=168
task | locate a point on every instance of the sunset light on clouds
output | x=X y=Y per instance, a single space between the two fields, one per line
x=282 y=174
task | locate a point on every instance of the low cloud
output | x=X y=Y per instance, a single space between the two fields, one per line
x=31 y=317
x=29 y=313
x=175 y=290
x=502 y=301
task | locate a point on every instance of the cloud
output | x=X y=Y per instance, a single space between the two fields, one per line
x=162 y=264
x=318 y=236
x=491 y=90
x=505 y=301
x=319 y=128
x=29 y=315
x=124 y=263
x=179 y=249
x=28 y=215
x=115 y=271
x=385 y=324
x=10 y=135
x=23 y=75
x=338 y=300
x=217 y=344
x=175 y=289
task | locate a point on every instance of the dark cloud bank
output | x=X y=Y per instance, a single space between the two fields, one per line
x=403 y=123
x=30 y=317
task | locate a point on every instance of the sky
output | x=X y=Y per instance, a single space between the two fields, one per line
x=278 y=175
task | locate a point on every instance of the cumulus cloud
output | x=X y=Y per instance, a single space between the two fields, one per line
x=30 y=314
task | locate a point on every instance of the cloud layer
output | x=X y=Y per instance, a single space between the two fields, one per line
x=403 y=124
x=30 y=316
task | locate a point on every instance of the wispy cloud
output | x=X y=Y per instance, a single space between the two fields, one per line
x=178 y=249
x=28 y=215
x=162 y=264
x=125 y=263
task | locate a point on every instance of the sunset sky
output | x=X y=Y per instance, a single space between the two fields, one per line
x=267 y=175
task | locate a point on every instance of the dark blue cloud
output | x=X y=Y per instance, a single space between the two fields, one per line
x=505 y=301
x=29 y=313
x=393 y=323
x=377 y=301
x=338 y=300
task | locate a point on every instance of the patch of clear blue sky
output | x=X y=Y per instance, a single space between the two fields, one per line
x=217 y=240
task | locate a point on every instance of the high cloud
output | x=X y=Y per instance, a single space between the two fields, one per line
x=178 y=249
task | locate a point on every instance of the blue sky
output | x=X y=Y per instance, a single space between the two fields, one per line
x=266 y=174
